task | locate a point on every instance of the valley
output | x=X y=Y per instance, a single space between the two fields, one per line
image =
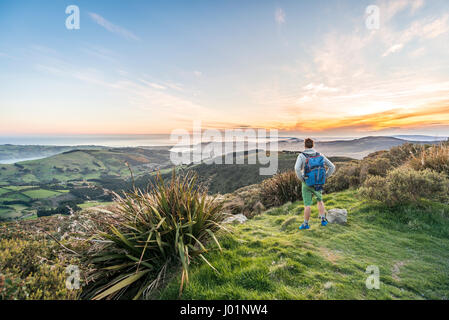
x=73 y=178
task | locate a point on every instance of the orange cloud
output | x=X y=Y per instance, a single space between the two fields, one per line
x=434 y=114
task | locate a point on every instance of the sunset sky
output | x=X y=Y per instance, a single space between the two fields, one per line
x=306 y=67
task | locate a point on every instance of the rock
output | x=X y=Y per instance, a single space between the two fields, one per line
x=339 y=216
x=328 y=285
x=236 y=218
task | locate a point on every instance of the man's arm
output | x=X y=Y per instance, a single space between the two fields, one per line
x=330 y=167
x=298 y=167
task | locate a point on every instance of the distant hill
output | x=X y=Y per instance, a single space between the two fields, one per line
x=81 y=165
x=14 y=153
x=101 y=163
x=355 y=148
x=421 y=138
x=227 y=178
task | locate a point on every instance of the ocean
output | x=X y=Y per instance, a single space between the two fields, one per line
x=134 y=140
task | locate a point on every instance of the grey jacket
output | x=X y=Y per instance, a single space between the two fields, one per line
x=301 y=160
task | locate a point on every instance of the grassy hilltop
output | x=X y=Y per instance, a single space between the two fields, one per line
x=398 y=220
x=269 y=258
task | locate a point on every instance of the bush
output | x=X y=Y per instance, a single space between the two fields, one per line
x=66 y=208
x=401 y=154
x=435 y=158
x=166 y=227
x=346 y=176
x=353 y=174
x=405 y=185
x=280 y=189
x=32 y=269
x=378 y=166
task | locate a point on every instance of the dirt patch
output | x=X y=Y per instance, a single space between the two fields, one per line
x=395 y=270
x=330 y=255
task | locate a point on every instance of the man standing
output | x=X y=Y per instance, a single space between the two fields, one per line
x=310 y=170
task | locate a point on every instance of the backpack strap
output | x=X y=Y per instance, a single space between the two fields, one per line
x=316 y=155
x=306 y=165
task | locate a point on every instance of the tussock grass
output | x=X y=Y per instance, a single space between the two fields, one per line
x=155 y=233
x=281 y=188
x=435 y=158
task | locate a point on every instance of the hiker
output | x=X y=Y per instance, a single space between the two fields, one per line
x=310 y=169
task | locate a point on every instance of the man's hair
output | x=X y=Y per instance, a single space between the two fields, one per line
x=308 y=143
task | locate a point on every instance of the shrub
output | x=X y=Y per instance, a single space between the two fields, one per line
x=435 y=158
x=32 y=269
x=401 y=154
x=346 y=176
x=164 y=228
x=280 y=189
x=353 y=174
x=405 y=185
x=374 y=188
x=378 y=166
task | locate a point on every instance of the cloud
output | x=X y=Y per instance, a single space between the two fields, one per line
x=279 y=16
x=418 y=52
x=101 y=53
x=153 y=85
x=399 y=118
x=197 y=73
x=112 y=27
x=416 y=5
x=424 y=29
x=319 y=88
x=389 y=9
x=393 y=49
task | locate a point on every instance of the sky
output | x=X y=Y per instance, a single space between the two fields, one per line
x=304 y=67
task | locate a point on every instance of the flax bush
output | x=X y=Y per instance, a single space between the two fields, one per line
x=160 y=231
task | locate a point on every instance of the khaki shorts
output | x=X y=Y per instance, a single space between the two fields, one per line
x=308 y=192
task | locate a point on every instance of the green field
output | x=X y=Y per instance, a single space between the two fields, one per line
x=90 y=204
x=82 y=165
x=3 y=191
x=27 y=194
x=41 y=193
x=269 y=258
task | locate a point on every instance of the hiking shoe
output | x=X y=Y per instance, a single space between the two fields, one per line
x=324 y=222
x=304 y=226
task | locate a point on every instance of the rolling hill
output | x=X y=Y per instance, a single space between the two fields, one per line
x=13 y=153
x=355 y=148
x=79 y=165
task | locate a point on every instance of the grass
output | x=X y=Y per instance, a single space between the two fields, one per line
x=41 y=193
x=269 y=258
x=18 y=188
x=9 y=213
x=90 y=204
x=31 y=194
x=152 y=233
x=83 y=165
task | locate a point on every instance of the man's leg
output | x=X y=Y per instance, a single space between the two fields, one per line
x=322 y=213
x=321 y=209
x=307 y=211
x=307 y=198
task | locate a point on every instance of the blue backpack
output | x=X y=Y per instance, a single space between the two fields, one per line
x=314 y=171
